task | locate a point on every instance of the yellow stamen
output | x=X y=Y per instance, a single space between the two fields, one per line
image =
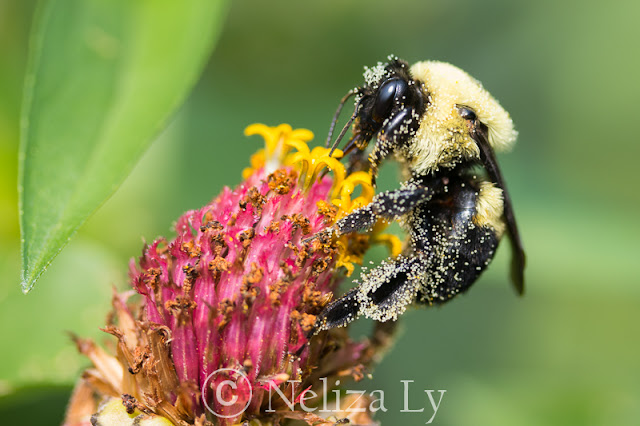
x=312 y=162
x=393 y=243
x=346 y=189
x=257 y=162
x=346 y=259
x=280 y=140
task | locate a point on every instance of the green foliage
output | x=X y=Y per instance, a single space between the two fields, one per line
x=35 y=405
x=103 y=78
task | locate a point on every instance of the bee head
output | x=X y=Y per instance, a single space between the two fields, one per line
x=388 y=107
x=461 y=118
x=430 y=115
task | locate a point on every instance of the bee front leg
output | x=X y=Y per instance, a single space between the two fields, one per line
x=388 y=205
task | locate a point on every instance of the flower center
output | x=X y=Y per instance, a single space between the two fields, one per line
x=280 y=141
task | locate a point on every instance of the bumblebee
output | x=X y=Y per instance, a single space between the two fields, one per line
x=443 y=127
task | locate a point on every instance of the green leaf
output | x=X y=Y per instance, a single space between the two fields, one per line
x=103 y=78
x=35 y=404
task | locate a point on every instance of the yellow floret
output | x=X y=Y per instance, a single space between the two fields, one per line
x=281 y=140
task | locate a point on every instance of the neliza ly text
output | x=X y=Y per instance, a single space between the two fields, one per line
x=359 y=401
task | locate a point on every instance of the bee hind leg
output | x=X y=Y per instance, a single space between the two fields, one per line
x=384 y=293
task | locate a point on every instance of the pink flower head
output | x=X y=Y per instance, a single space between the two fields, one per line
x=227 y=306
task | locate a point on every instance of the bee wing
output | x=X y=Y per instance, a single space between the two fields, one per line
x=490 y=163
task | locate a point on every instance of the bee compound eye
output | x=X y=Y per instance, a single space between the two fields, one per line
x=388 y=92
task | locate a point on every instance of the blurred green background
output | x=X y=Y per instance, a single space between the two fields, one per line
x=567 y=353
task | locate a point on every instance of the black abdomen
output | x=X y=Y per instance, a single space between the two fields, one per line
x=443 y=227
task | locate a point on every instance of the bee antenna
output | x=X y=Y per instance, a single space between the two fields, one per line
x=337 y=114
x=344 y=130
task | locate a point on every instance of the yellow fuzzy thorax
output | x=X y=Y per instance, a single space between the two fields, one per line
x=443 y=137
x=285 y=146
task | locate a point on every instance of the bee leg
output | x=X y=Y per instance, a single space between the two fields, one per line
x=389 y=205
x=384 y=293
x=339 y=312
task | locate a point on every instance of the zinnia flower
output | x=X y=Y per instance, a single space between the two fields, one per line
x=218 y=319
